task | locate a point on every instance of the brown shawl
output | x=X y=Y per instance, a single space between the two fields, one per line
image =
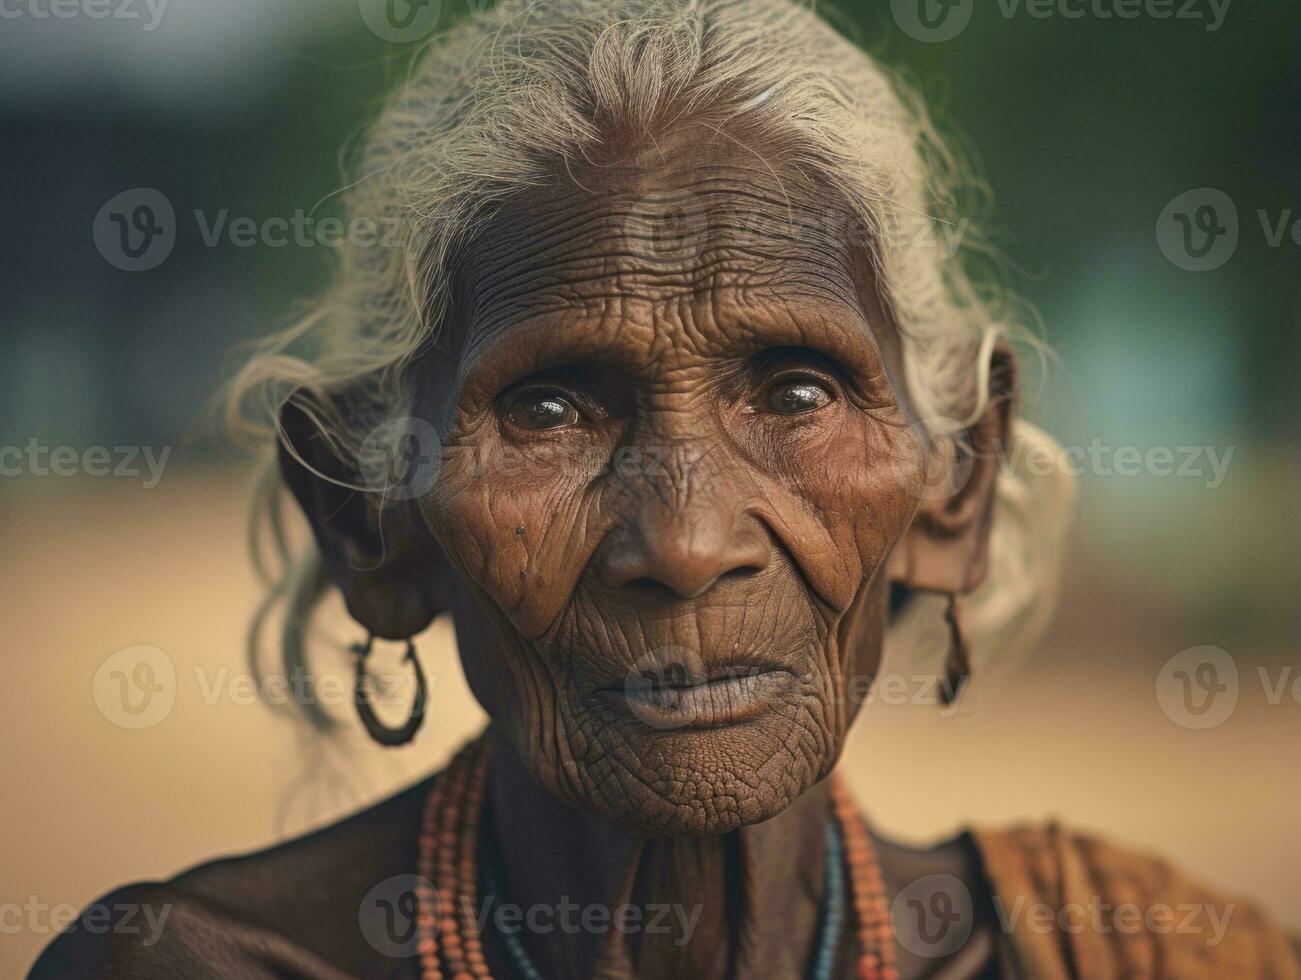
x=1074 y=906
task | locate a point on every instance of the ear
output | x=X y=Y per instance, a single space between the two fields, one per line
x=946 y=548
x=378 y=550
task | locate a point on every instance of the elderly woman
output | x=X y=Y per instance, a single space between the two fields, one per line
x=667 y=400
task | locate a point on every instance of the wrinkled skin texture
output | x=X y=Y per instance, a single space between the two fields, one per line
x=676 y=450
x=713 y=532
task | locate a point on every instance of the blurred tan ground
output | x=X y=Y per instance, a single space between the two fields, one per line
x=93 y=566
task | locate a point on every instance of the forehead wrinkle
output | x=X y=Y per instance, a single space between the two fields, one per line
x=562 y=261
x=747 y=209
x=576 y=253
x=585 y=283
x=680 y=330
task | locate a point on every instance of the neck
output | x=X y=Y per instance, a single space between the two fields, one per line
x=745 y=903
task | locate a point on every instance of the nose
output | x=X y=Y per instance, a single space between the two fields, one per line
x=685 y=550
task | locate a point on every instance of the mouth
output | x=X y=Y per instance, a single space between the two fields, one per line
x=712 y=700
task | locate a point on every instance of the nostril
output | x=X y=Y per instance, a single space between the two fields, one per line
x=648 y=586
x=683 y=587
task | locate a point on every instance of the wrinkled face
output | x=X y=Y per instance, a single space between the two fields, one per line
x=676 y=460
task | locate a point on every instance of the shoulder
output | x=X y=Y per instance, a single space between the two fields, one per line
x=292 y=909
x=306 y=876
x=146 y=930
x=1111 y=910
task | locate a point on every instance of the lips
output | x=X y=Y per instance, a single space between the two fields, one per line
x=714 y=699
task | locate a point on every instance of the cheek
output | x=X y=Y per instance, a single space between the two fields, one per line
x=878 y=479
x=515 y=521
x=862 y=481
x=852 y=484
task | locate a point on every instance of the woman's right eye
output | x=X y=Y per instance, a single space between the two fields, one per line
x=541 y=411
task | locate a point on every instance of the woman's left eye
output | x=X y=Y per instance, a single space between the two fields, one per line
x=543 y=411
x=797 y=397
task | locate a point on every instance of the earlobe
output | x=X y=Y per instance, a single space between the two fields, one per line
x=945 y=550
x=379 y=553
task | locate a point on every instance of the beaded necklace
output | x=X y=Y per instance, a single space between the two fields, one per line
x=451 y=946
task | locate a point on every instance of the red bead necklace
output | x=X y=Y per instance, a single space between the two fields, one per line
x=449 y=942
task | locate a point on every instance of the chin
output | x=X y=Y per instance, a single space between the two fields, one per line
x=726 y=756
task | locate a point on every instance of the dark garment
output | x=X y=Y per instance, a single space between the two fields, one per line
x=290 y=911
x=336 y=904
x=307 y=909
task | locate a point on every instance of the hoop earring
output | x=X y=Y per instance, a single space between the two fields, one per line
x=377 y=730
x=957 y=666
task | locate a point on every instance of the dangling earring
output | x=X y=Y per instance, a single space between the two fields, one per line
x=957 y=666
x=361 y=692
